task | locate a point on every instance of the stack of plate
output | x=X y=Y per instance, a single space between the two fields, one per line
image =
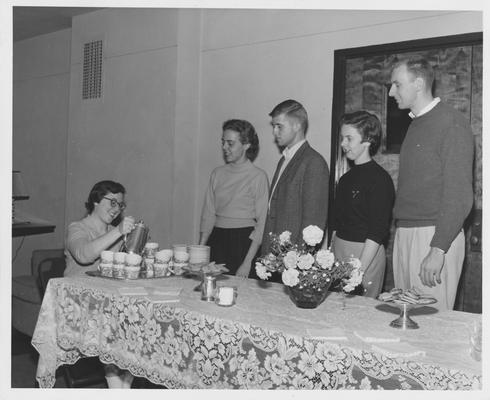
x=199 y=254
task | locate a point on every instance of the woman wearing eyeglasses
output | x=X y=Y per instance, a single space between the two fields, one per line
x=87 y=238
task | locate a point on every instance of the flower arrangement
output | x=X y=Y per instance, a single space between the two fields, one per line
x=304 y=266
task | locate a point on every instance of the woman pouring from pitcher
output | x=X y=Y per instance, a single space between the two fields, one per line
x=87 y=238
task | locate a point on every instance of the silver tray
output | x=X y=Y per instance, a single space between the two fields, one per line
x=404 y=321
x=98 y=274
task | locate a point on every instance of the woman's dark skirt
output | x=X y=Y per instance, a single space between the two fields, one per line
x=229 y=246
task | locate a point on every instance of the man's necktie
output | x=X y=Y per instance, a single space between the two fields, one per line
x=276 y=175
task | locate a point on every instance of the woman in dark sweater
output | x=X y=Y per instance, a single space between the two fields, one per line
x=363 y=201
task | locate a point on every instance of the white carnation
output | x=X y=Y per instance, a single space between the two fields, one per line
x=290 y=277
x=305 y=261
x=312 y=235
x=355 y=262
x=325 y=258
x=269 y=259
x=262 y=272
x=354 y=280
x=290 y=259
x=285 y=237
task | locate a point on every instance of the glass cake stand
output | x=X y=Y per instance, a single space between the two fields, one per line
x=404 y=321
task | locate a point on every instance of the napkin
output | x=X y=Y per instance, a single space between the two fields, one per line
x=161 y=299
x=167 y=291
x=132 y=291
x=327 y=333
x=397 y=350
x=373 y=336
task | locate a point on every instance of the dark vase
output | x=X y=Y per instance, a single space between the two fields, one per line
x=307 y=297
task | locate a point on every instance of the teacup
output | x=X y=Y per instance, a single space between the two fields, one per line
x=181 y=256
x=160 y=269
x=133 y=259
x=164 y=255
x=148 y=267
x=150 y=249
x=226 y=295
x=149 y=262
x=132 y=272
x=119 y=257
x=105 y=269
x=118 y=271
x=107 y=257
x=177 y=268
x=179 y=247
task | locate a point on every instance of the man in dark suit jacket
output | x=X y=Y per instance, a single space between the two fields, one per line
x=299 y=189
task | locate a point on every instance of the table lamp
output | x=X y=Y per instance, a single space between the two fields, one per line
x=19 y=191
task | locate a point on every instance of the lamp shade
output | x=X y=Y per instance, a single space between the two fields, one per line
x=19 y=191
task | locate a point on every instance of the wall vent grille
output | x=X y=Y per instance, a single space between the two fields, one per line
x=92 y=70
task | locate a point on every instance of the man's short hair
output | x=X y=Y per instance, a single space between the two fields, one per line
x=419 y=67
x=292 y=109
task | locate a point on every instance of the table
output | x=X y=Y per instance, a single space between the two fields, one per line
x=31 y=228
x=263 y=342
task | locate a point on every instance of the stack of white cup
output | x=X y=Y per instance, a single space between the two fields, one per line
x=161 y=264
x=118 y=265
x=149 y=252
x=199 y=254
x=180 y=258
x=132 y=266
x=106 y=261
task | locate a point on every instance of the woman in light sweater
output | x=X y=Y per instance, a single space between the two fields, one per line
x=87 y=238
x=235 y=204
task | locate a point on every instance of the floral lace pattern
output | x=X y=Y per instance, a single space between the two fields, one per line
x=181 y=348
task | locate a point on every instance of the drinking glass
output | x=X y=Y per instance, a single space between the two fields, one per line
x=476 y=340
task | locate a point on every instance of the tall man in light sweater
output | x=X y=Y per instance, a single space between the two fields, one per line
x=435 y=186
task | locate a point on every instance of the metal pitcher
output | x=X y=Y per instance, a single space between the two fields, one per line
x=134 y=242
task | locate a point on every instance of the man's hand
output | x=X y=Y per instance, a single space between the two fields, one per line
x=431 y=267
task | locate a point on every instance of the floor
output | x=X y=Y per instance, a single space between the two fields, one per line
x=24 y=364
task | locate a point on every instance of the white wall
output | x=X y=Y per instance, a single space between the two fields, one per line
x=187 y=144
x=128 y=135
x=254 y=59
x=41 y=71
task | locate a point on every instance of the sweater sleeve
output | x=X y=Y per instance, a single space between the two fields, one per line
x=78 y=244
x=457 y=191
x=261 y=202
x=208 y=215
x=380 y=205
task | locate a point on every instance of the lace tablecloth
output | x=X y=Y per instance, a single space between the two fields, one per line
x=263 y=342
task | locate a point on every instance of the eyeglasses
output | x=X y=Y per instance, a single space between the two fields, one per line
x=114 y=203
